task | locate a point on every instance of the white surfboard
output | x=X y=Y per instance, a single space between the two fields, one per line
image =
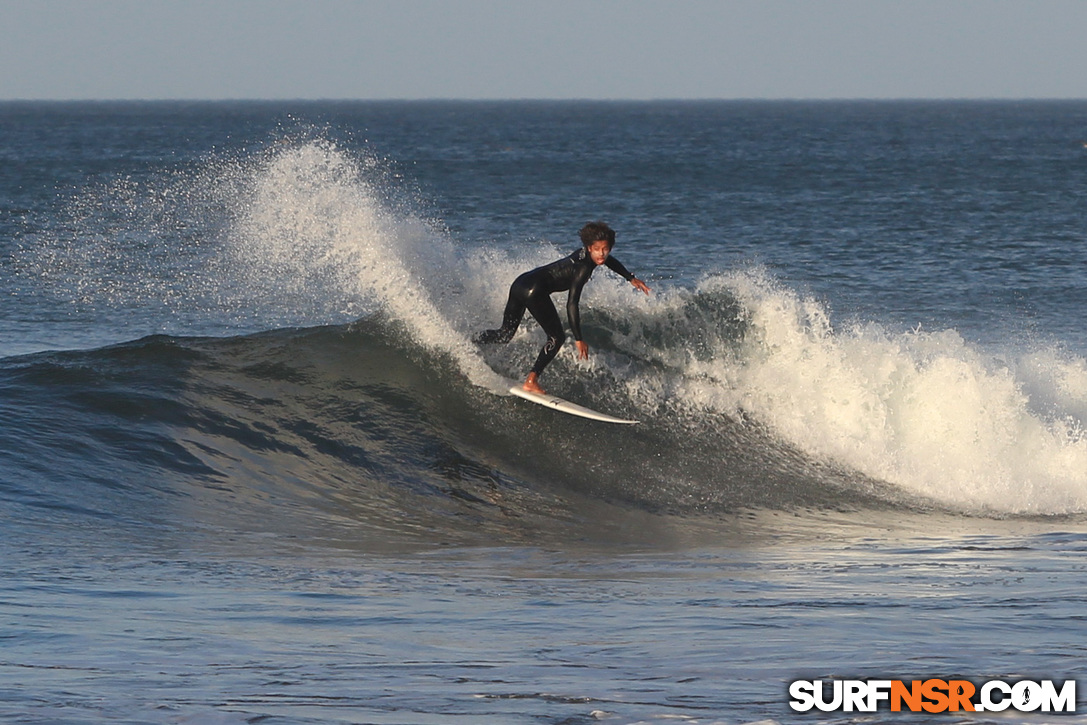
x=553 y=401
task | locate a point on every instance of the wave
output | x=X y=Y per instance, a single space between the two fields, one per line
x=357 y=429
x=750 y=396
x=924 y=411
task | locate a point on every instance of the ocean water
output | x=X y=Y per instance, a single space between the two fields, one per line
x=252 y=469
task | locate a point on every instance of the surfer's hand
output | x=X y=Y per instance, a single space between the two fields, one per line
x=640 y=285
x=582 y=349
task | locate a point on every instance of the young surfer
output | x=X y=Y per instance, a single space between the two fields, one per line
x=532 y=291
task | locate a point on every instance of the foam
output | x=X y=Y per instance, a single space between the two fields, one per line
x=924 y=410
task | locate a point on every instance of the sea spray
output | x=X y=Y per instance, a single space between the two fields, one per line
x=315 y=222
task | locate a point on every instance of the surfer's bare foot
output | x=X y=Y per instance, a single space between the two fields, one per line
x=532 y=386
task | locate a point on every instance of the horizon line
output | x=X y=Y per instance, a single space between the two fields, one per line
x=549 y=99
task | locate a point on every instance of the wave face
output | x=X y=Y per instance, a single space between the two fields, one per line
x=354 y=428
x=357 y=432
x=389 y=419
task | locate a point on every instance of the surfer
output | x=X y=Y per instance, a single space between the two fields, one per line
x=532 y=291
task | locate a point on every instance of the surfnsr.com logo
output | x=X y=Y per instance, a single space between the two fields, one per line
x=932 y=695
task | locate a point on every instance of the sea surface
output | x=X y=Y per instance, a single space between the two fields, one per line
x=253 y=469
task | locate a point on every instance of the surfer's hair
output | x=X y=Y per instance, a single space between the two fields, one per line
x=596 y=231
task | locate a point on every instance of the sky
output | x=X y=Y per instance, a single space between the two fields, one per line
x=546 y=49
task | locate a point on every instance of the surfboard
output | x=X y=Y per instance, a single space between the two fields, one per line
x=554 y=401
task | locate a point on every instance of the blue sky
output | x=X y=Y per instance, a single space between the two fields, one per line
x=614 y=49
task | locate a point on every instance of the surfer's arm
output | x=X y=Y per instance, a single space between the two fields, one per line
x=573 y=313
x=616 y=266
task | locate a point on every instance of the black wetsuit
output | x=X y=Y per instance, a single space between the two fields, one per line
x=532 y=291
